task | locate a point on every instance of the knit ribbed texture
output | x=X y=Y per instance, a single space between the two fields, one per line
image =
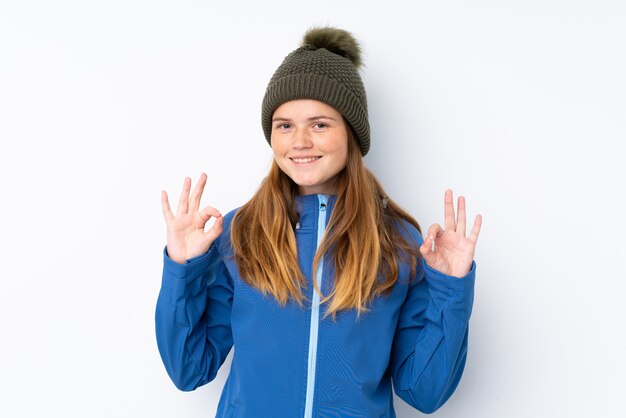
x=312 y=73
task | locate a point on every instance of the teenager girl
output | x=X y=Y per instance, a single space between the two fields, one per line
x=324 y=286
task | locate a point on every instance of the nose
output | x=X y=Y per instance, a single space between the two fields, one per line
x=301 y=139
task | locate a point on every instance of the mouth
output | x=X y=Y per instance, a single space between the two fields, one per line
x=304 y=160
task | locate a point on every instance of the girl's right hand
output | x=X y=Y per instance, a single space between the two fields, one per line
x=186 y=237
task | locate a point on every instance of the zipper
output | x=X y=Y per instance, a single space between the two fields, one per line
x=315 y=311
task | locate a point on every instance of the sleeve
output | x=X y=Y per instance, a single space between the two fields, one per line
x=192 y=318
x=430 y=344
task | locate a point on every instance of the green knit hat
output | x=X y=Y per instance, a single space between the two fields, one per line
x=324 y=68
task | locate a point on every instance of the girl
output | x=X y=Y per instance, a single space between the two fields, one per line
x=323 y=285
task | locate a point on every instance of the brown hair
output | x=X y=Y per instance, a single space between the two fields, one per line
x=363 y=232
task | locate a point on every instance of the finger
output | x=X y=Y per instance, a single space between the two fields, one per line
x=434 y=232
x=460 y=225
x=165 y=205
x=207 y=212
x=183 y=202
x=476 y=229
x=194 y=203
x=449 y=211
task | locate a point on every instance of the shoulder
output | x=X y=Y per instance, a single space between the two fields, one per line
x=228 y=218
x=409 y=231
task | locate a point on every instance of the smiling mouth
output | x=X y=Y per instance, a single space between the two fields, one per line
x=304 y=160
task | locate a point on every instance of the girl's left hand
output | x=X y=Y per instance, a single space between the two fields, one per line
x=453 y=253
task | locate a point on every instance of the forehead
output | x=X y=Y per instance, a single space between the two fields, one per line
x=305 y=108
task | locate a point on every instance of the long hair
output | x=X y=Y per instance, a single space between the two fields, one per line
x=363 y=235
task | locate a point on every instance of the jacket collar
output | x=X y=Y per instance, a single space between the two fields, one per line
x=308 y=207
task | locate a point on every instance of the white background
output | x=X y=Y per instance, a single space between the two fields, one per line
x=519 y=106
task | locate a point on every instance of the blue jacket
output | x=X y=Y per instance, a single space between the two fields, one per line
x=288 y=362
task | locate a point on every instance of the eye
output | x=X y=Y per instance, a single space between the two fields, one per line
x=283 y=126
x=320 y=125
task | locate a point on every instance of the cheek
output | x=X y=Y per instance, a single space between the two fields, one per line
x=278 y=152
x=276 y=146
x=342 y=152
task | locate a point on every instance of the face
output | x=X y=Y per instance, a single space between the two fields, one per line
x=310 y=144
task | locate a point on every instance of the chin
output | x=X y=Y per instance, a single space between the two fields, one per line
x=307 y=184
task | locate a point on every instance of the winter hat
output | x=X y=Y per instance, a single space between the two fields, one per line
x=324 y=68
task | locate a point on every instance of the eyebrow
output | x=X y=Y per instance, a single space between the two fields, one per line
x=279 y=119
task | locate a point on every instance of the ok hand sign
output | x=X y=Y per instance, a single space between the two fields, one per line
x=186 y=237
x=453 y=253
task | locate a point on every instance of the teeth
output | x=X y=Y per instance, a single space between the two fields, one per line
x=305 y=160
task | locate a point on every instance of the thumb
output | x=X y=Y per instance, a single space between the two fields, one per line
x=215 y=230
x=426 y=248
x=431 y=258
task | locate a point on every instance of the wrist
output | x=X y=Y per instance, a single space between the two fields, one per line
x=459 y=274
x=174 y=258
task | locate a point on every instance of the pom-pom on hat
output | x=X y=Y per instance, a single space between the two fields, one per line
x=325 y=68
